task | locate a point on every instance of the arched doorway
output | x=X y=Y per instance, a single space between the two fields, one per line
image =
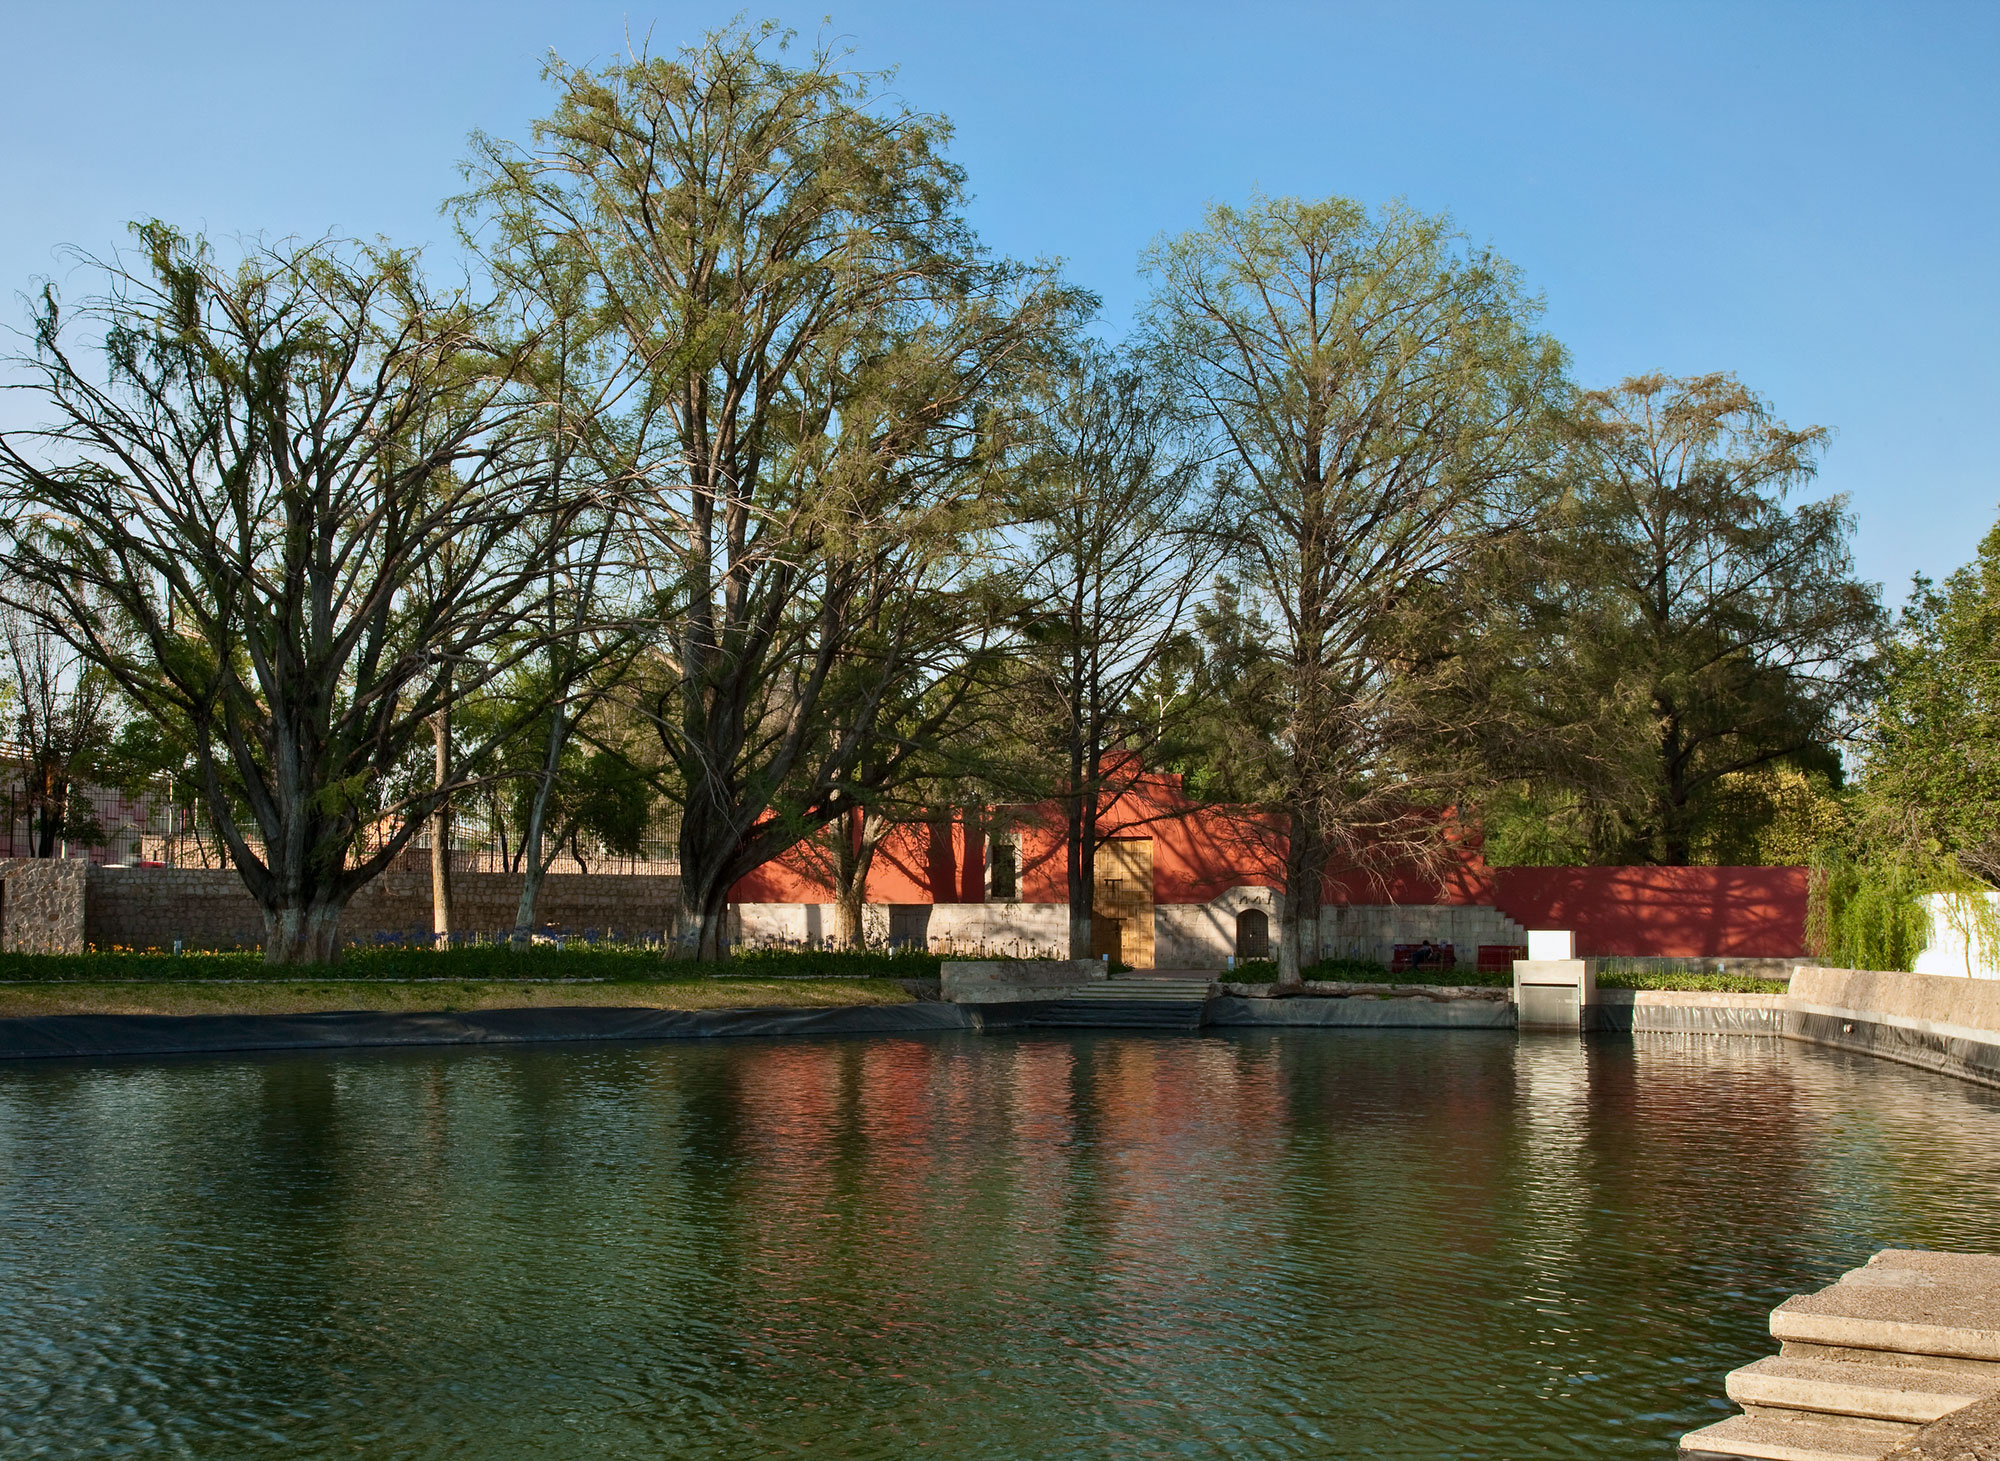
x=1253 y=934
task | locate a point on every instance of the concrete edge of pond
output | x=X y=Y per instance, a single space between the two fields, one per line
x=30 y=1037
x=1413 y=1013
x=1969 y=1054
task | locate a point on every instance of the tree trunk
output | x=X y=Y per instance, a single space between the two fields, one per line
x=850 y=881
x=441 y=835
x=709 y=846
x=859 y=837
x=1080 y=860
x=707 y=913
x=302 y=934
x=533 y=865
x=1298 y=925
x=50 y=817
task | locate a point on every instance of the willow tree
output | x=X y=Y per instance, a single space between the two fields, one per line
x=294 y=511
x=812 y=352
x=1378 y=395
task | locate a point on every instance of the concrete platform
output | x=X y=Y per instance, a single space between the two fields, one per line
x=1870 y=1391
x=1911 y=1302
x=1871 y=1363
x=1795 y=1438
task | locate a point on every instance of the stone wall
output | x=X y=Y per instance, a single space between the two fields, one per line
x=1937 y=1021
x=1013 y=930
x=42 y=905
x=209 y=909
x=1372 y=931
x=1185 y=935
x=1011 y=981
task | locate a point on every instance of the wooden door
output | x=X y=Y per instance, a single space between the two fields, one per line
x=1124 y=896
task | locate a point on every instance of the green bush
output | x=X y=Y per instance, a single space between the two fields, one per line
x=1868 y=913
x=476 y=962
x=1692 y=980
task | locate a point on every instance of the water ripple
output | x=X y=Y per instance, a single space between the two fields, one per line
x=1283 y=1244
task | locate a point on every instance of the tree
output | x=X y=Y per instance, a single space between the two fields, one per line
x=294 y=514
x=1377 y=397
x=62 y=723
x=1116 y=547
x=811 y=352
x=1933 y=738
x=1693 y=625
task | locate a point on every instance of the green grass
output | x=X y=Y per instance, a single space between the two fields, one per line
x=483 y=963
x=305 y=996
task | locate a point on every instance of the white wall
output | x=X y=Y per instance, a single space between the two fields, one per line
x=1185 y=935
x=1014 y=930
x=1948 y=951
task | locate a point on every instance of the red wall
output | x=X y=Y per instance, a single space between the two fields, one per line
x=1674 y=912
x=1201 y=852
x=921 y=862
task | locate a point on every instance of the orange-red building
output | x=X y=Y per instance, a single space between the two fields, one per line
x=1189 y=886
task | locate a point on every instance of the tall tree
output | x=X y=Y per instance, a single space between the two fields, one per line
x=811 y=347
x=296 y=500
x=1694 y=625
x=1117 y=545
x=1377 y=396
x=1933 y=738
x=61 y=721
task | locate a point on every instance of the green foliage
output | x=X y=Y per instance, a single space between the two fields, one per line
x=1868 y=913
x=1673 y=633
x=480 y=962
x=1933 y=764
x=1693 y=980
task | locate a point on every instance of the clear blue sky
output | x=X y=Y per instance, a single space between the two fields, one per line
x=1806 y=194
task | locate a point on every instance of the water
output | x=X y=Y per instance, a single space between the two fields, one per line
x=1283 y=1244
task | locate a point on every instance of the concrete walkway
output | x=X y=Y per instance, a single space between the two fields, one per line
x=1868 y=1365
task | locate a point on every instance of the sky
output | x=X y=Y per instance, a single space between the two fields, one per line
x=1805 y=194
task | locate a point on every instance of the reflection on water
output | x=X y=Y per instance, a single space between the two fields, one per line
x=1346 y=1244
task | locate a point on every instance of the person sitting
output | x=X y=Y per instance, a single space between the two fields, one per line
x=1425 y=956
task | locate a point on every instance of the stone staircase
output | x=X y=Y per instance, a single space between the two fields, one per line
x=1866 y=1362
x=1127 y=1004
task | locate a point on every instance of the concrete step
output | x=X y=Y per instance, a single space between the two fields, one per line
x=1164 y=991
x=1980 y=1369
x=1109 y=1014
x=1913 y=1303
x=1795 y=1437
x=1872 y=1391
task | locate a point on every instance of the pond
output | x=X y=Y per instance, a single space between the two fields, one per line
x=1287 y=1243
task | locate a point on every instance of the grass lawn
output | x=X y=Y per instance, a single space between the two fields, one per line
x=304 y=996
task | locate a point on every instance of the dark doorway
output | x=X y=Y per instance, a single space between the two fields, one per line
x=909 y=925
x=1253 y=934
x=1105 y=934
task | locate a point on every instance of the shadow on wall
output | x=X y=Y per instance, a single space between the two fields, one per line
x=1673 y=912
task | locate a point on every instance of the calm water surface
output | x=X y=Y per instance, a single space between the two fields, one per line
x=1310 y=1244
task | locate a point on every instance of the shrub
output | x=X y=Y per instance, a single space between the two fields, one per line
x=474 y=962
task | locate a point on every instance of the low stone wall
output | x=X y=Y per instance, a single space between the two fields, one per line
x=97 y=1036
x=42 y=905
x=152 y=907
x=1681 y=1011
x=1413 y=1012
x=1018 y=930
x=1012 y=981
x=1936 y=1021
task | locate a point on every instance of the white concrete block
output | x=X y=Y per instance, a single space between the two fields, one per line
x=1549 y=944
